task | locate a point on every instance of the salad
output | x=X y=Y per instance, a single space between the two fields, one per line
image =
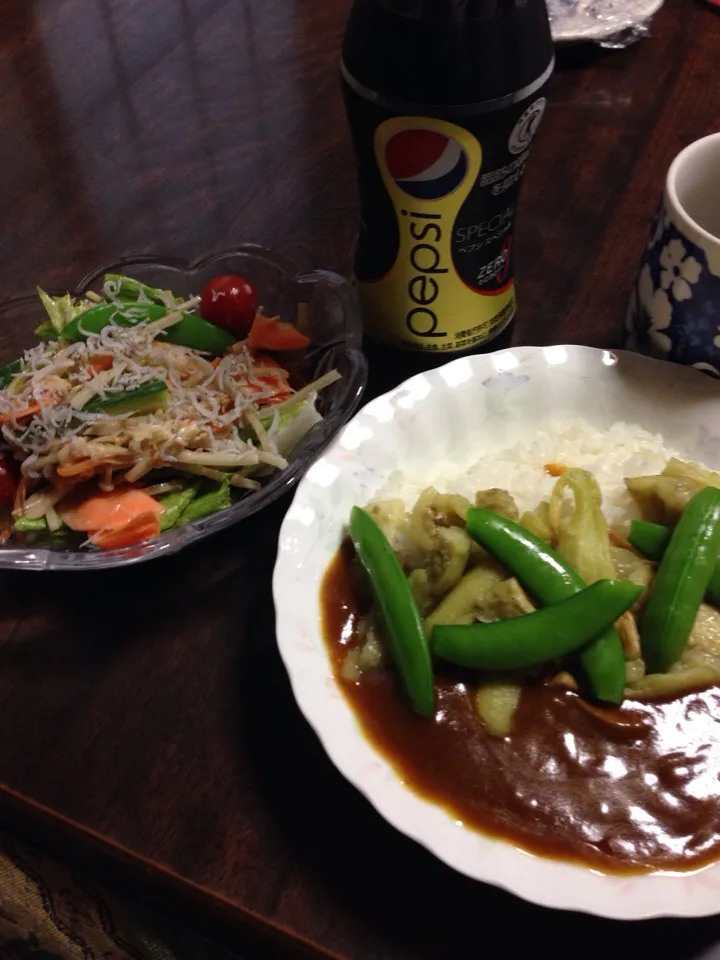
x=139 y=411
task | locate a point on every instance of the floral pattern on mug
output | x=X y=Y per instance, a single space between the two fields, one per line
x=674 y=311
x=656 y=304
x=678 y=270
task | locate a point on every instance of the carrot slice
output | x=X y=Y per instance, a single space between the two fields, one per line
x=5 y=529
x=142 y=527
x=109 y=510
x=269 y=333
x=32 y=408
x=267 y=371
x=555 y=469
x=281 y=392
x=100 y=363
x=20 y=493
x=28 y=411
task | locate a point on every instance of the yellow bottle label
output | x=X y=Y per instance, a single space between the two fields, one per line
x=450 y=285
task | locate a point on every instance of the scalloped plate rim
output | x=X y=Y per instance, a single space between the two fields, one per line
x=565 y=885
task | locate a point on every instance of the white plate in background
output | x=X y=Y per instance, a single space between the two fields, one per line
x=573 y=21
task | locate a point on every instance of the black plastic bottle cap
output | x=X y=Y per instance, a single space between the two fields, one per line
x=447 y=52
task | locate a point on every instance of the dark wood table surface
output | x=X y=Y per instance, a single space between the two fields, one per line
x=148 y=727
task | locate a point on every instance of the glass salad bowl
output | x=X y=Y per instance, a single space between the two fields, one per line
x=330 y=318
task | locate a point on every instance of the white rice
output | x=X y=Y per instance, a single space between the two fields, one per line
x=625 y=450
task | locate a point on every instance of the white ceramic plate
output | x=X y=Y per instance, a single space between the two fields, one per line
x=575 y=21
x=464 y=409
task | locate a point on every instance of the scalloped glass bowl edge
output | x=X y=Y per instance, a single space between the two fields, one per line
x=335 y=329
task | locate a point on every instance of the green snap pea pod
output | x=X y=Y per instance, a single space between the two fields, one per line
x=209 y=503
x=539 y=637
x=175 y=505
x=681 y=581
x=399 y=612
x=9 y=372
x=38 y=525
x=119 y=287
x=651 y=539
x=97 y=318
x=539 y=568
x=28 y=525
x=148 y=397
x=549 y=578
x=192 y=331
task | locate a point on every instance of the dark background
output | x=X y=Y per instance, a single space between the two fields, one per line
x=147 y=711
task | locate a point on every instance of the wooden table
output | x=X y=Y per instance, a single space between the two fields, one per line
x=147 y=723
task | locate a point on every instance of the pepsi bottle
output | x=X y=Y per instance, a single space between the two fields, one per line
x=443 y=99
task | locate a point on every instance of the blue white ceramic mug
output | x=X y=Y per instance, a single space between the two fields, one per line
x=674 y=310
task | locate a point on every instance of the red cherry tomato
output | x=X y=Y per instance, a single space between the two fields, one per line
x=8 y=484
x=229 y=302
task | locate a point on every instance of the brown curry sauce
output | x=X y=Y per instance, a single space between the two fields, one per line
x=621 y=789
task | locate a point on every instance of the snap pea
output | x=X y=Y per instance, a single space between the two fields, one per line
x=146 y=398
x=651 y=539
x=681 y=581
x=536 y=638
x=399 y=612
x=97 y=318
x=175 y=504
x=549 y=578
x=37 y=525
x=209 y=503
x=29 y=525
x=192 y=331
x=539 y=568
x=125 y=288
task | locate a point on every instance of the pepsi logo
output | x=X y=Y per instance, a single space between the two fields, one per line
x=425 y=164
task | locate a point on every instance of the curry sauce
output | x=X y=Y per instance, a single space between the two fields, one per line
x=621 y=789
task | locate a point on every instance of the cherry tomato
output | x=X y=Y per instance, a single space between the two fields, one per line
x=229 y=302
x=8 y=484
